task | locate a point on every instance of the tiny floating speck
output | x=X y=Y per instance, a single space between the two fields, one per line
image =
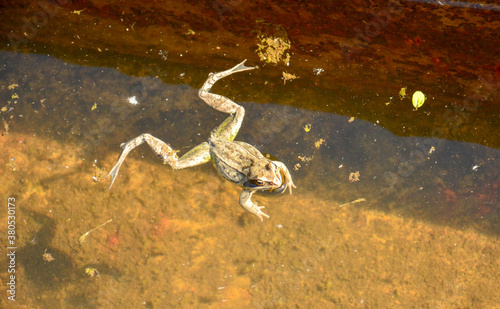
x=133 y=100
x=318 y=71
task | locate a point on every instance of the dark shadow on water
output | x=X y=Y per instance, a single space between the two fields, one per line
x=46 y=267
x=429 y=178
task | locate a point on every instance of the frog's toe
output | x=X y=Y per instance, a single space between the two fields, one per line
x=241 y=67
x=260 y=213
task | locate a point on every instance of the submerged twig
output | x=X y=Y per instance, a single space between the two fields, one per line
x=84 y=236
x=355 y=201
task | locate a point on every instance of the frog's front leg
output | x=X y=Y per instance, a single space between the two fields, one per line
x=196 y=156
x=249 y=206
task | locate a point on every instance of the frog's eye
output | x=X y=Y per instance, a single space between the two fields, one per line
x=258 y=182
x=254 y=183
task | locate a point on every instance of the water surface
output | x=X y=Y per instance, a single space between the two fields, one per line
x=394 y=207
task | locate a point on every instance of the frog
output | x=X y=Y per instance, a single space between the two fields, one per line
x=236 y=161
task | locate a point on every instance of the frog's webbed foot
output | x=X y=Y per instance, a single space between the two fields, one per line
x=249 y=206
x=238 y=68
x=162 y=149
x=198 y=155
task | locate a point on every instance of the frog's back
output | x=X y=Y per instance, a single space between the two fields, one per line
x=227 y=160
x=233 y=159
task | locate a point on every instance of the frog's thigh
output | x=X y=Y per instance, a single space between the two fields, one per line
x=196 y=156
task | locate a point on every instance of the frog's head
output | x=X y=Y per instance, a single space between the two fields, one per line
x=273 y=177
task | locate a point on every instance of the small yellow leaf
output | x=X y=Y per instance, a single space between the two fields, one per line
x=93 y=107
x=418 y=99
x=307 y=127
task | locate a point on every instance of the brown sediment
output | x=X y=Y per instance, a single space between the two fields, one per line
x=178 y=239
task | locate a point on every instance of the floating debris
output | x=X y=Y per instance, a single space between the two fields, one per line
x=132 y=100
x=305 y=159
x=307 y=127
x=12 y=164
x=77 y=12
x=47 y=256
x=163 y=54
x=319 y=143
x=351 y=119
x=93 y=107
x=418 y=99
x=274 y=44
x=318 y=71
x=288 y=76
x=12 y=86
x=402 y=93
x=92 y=272
x=353 y=177
x=99 y=173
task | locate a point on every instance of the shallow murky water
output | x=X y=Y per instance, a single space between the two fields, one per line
x=394 y=207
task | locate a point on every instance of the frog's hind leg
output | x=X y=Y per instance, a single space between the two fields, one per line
x=232 y=124
x=198 y=155
x=229 y=128
x=217 y=101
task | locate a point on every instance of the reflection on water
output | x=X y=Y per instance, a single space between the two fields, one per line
x=413 y=210
x=461 y=4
